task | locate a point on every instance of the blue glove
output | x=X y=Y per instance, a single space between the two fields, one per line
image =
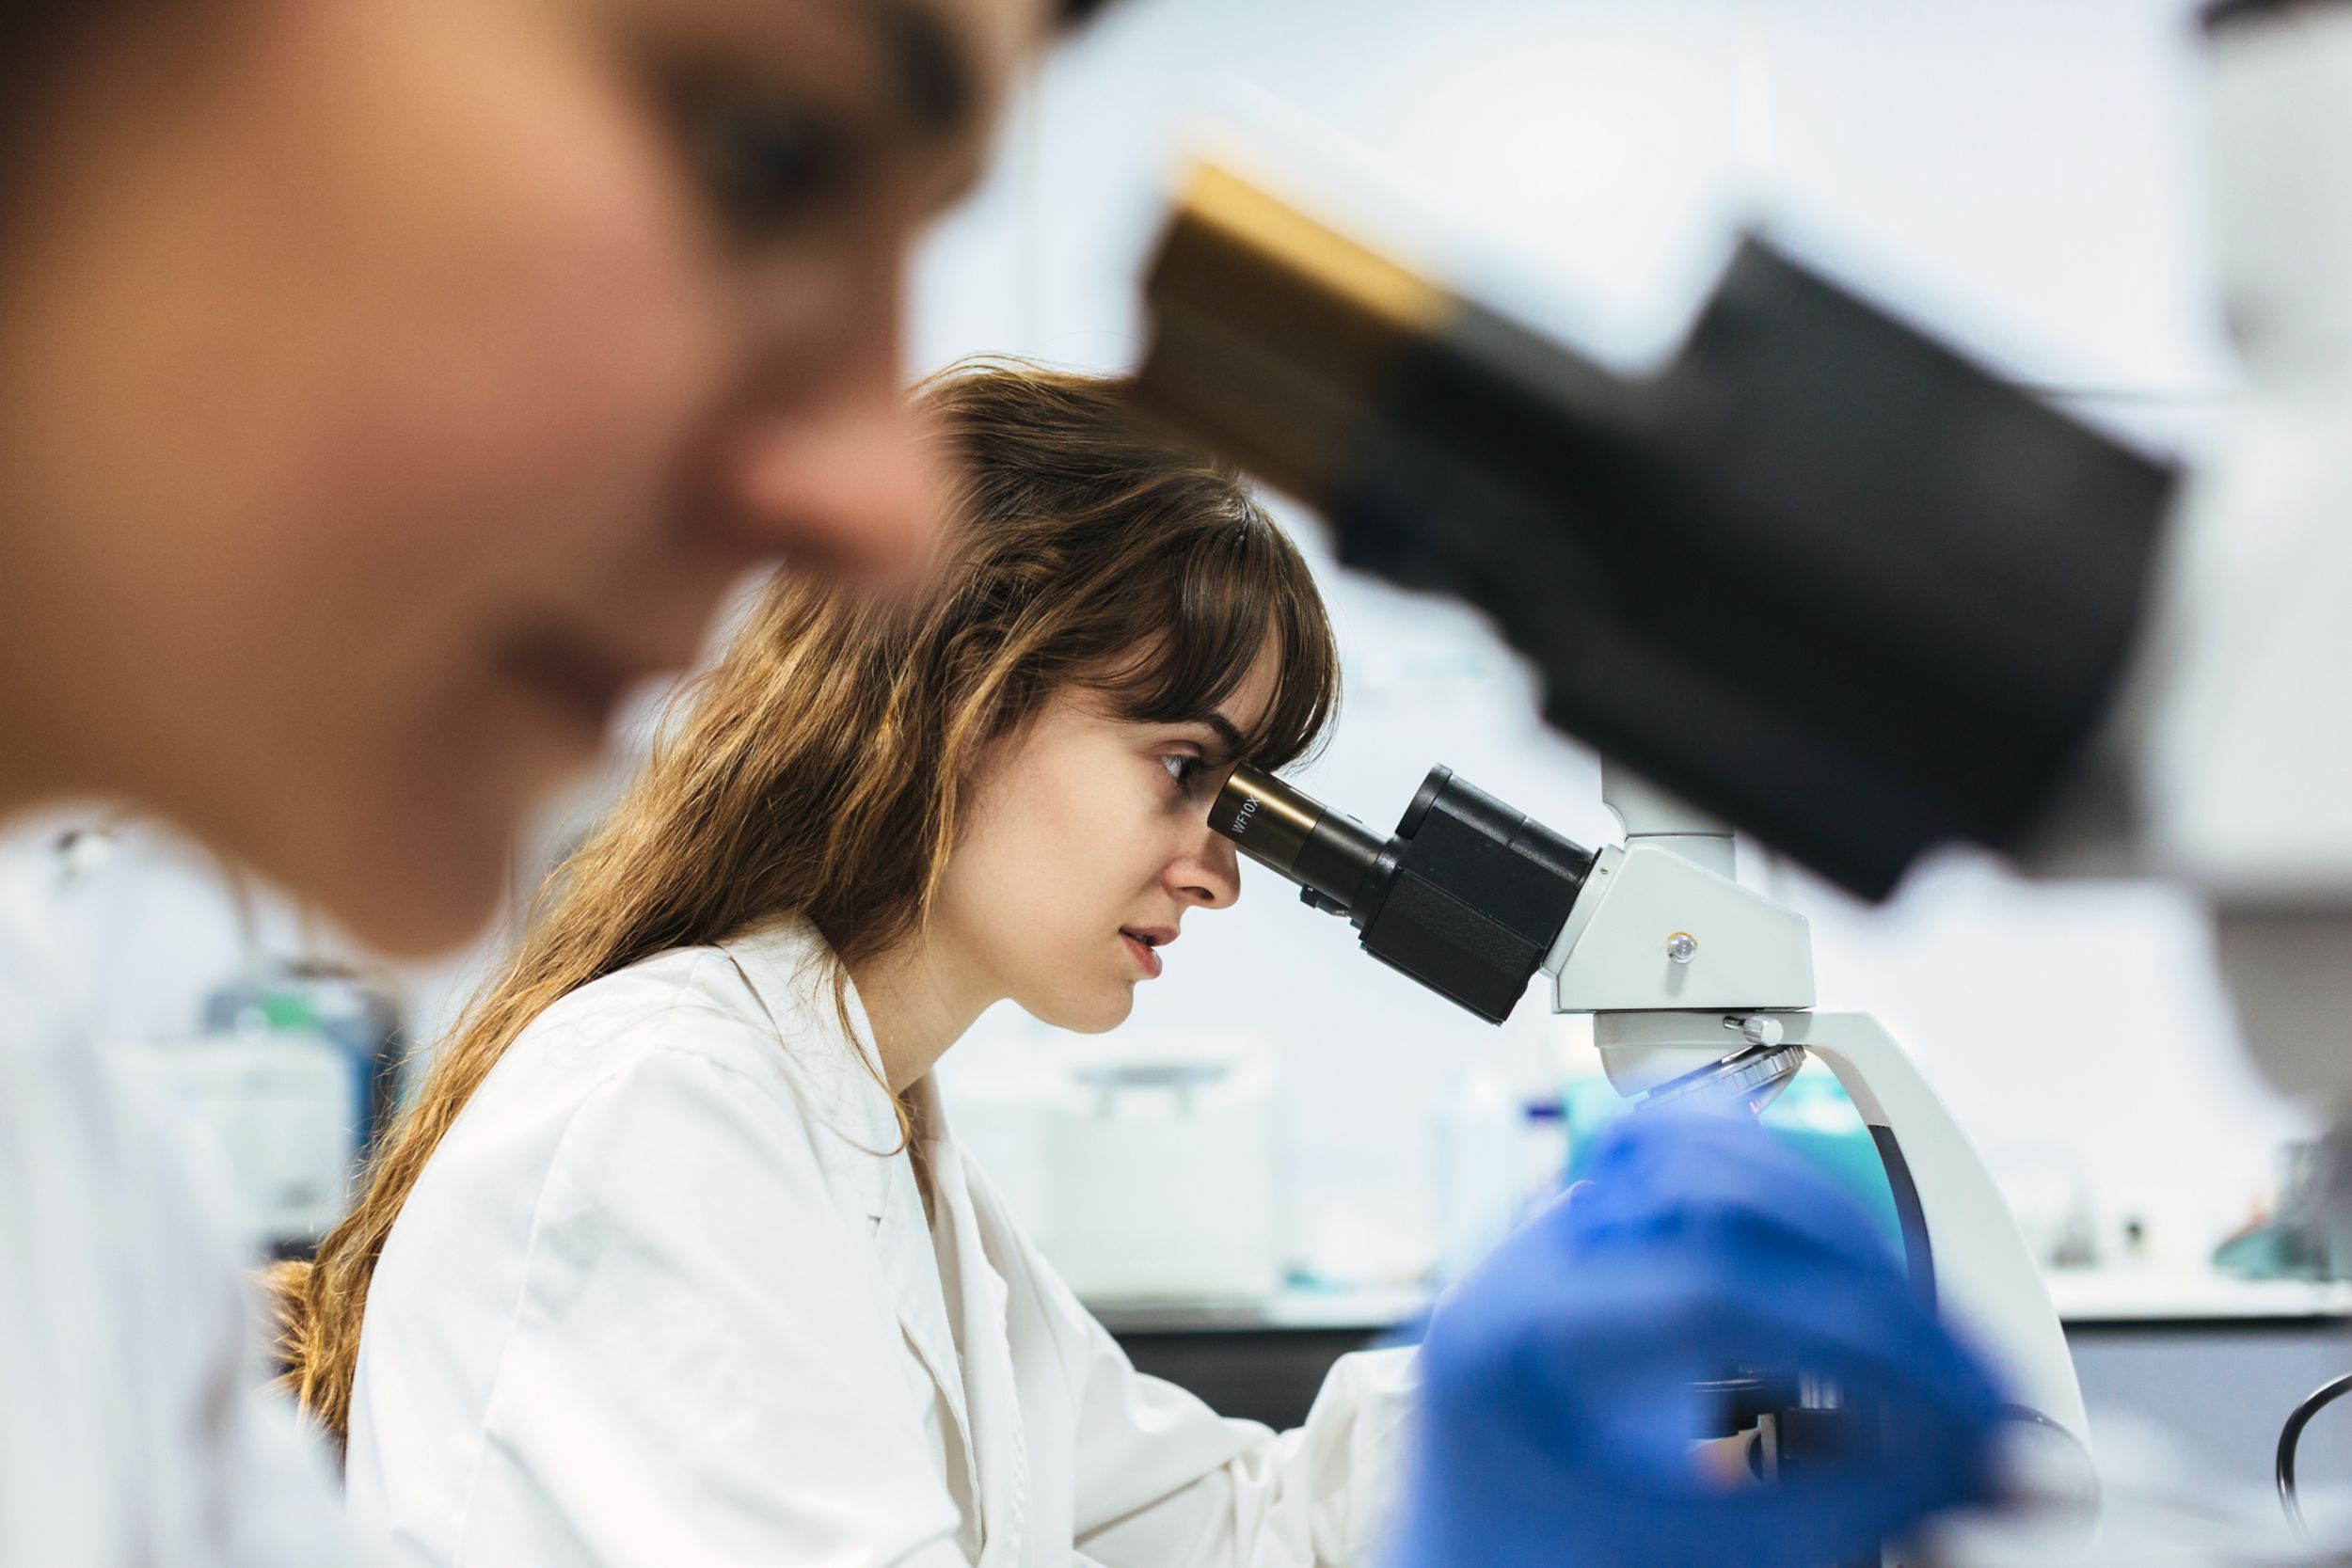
x=1557 y=1414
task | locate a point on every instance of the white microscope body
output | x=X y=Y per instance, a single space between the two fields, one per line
x=1696 y=984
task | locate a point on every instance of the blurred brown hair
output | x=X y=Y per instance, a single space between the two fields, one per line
x=819 y=771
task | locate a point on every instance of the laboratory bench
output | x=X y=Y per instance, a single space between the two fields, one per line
x=2215 y=1360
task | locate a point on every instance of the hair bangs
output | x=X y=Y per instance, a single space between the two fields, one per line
x=1232 y=598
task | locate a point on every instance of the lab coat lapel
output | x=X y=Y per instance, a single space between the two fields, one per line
x=910 y=1266
x=858 y=1142
x=1001 y=1447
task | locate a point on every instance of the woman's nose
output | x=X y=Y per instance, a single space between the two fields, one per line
x=1208 y=873
x=851 y=484
x=826 y=461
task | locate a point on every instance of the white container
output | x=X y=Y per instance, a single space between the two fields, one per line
x=1160 y=1182
x=1482 y=1164
x=276 y=1108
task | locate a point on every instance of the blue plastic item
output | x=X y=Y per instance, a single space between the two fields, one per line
x=1560 y=1378
x=1813 y=1118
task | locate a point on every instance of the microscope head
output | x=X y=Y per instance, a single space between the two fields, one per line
x=1467 y=897
x=1818 y=574
x=1471 y=897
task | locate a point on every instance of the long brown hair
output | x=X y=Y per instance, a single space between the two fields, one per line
x=819 y=771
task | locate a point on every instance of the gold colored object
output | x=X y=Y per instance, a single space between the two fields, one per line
x=1275 y=334
x=1265 y=818
x=1250 y=219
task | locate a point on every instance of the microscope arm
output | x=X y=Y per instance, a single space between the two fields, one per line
x=1967 y=1255
x=1681 y=967
x=1976 y=1267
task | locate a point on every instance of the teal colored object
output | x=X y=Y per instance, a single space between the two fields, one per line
x=1558 y=1402
x=1814 y=1119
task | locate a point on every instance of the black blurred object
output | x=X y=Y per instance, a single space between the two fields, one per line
x=1467 y=898
x=2291 y=1441
x=1819 y=576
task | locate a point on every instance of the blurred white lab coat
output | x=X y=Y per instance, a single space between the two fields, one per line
x=667 y=1294
x=135 y=1432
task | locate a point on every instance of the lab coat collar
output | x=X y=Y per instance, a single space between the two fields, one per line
x=790 y=969
x=859 y=1144
x=859 y=1140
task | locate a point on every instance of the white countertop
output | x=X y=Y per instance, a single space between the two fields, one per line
x=1349 y=1311
x=2090 y=1296
x=2086 y=1297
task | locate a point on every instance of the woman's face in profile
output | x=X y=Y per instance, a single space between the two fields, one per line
x=1088 y=845
x=385 y=386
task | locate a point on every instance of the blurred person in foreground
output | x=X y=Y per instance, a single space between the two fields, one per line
x=385 y=386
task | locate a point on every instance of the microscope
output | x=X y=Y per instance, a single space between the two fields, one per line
x=1819 y=576
x=1700 y=990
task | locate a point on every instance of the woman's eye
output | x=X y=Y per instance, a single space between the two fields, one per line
x=1184 y=769
x=767 y=163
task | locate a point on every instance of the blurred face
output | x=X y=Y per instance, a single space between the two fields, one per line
x=385 y=386
x=1089 y=842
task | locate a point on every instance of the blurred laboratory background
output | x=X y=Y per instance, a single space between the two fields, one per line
x=1288 y=1148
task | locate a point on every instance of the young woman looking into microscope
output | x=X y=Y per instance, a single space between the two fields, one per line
x=676 y=1258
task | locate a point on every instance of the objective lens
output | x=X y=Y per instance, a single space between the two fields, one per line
x=1296 y=836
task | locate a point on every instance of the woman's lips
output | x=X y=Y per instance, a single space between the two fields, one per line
x=1146 y=957
x=580 y=681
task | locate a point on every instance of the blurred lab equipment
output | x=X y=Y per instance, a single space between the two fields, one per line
x=294 y=1078
x=1147 y=1175
x=2303 y=1237
x=290 y=1071
x=359 y=1013
x=274 y=1103
x=1481 y=1171
x=291 y=1078
x=1164 y=1183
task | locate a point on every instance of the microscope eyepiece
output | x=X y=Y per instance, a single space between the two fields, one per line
x=1330 y=856
x=1467 y=897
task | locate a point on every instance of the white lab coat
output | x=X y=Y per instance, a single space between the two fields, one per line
x=135 y=1432
x=667 y=1294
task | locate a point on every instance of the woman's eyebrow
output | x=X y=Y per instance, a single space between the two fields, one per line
x=1225 y=734
x=1229 y=736
x=935 y=79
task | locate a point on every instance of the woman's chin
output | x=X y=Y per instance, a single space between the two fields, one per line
x=1085 y=1015
x=410 y=884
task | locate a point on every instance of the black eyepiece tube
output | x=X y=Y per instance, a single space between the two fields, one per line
x=1816 y=574
x=1467 y=898
x=1295 y=835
